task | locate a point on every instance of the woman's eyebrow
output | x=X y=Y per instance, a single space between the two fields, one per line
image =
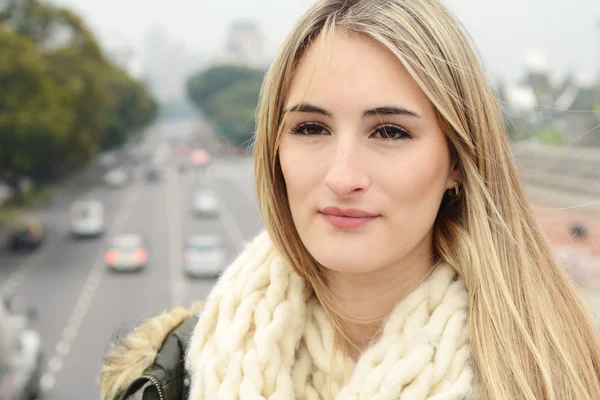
x=384 y=110
x=391 y=110
x=307 y=108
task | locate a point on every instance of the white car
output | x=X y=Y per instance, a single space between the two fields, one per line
x=87 y=218
x=161 y=156
x=116 y=178
x=205 y=203
x=126 y=252
x=204 y=256
x=107 y=160
x=21 y=356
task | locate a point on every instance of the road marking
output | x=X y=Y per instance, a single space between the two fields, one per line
x=47 y=382
x=175 y=226
x=88 y=291
x=233 y=230
x=55 y=364
x=62 y=348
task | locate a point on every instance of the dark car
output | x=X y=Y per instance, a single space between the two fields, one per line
x=153 y=174
x=182 y=168
x=26 y=235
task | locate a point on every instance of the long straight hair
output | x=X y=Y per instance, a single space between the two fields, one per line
x=531 y=335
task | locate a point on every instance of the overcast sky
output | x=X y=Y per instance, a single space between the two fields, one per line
x=567 y=32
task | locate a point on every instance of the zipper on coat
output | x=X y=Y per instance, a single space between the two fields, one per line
x=159 y=389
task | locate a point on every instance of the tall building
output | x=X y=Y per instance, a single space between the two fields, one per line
x=244 y=44
x=175 y=71
x=165 y=66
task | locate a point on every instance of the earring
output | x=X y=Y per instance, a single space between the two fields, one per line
x=454 y=192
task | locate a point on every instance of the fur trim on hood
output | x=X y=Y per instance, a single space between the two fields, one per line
x=128 y=358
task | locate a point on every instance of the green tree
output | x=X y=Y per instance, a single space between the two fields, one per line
x=76 y=63
x=235 y=107
x=34 y=125
x=228 y=95
x=74 y=99
x=206 y=84
x=50 y=27
x=90 y=99
x=132 y=107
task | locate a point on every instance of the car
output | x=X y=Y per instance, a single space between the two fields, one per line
x=161 y=155
x=181 y=150
x=107 y=160
x=204 y=256
x=87 y=218
x=116 y=178
x=153 y=174
x=126 y=252
x=26 y=235
x=21 y=358
x=200 y=157
x=205 y=203
x=182 y=168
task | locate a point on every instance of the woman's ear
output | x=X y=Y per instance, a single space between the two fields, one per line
x=454 y=175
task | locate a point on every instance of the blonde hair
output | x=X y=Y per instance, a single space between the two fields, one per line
x=531 y=335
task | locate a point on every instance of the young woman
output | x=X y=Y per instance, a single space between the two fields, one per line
x=400 y=258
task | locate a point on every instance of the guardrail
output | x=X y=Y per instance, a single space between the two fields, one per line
x=562 y=176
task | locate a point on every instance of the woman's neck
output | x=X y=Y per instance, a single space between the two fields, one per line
x=371 y=296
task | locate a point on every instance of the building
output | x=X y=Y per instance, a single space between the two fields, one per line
x=165 y=66
x=244 y=45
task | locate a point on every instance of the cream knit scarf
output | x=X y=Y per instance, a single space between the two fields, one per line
x=263 y=335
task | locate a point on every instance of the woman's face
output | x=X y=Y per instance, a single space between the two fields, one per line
x=363 y=156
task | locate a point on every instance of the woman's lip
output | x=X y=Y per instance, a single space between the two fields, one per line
x=342 y=222
x=347 y=212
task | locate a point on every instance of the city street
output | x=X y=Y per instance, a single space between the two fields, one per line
x=82 y=306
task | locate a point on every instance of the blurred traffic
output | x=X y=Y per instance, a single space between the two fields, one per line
x=147 y=227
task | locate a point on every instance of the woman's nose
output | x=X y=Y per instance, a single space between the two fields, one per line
x=346 y=173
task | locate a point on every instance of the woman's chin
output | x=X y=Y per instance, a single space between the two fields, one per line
x=346 y=262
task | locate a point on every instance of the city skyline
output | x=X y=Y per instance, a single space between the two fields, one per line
x=504 y=32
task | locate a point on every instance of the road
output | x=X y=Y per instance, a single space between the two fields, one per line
x=82 y=306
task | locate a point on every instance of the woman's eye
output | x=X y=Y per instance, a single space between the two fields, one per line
x=309 y=129
x=391 y=132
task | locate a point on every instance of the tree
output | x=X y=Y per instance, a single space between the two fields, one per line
x=228 y=96
x=76 y=63
x=50 y=27
x=236 y=108
x=132 y=107
x=85 y=93
x=64 y=100
x=34 y=125
x=206 y=84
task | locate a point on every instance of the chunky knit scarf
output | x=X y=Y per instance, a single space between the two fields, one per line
x=264 y=335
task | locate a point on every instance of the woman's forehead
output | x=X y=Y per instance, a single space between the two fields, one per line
x=353 y=72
